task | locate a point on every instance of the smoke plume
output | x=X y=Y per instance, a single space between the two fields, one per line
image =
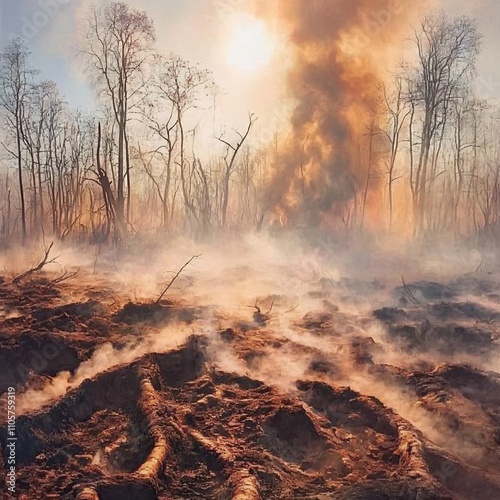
x=341 y=51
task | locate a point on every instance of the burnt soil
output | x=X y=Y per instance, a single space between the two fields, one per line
x=411 y=412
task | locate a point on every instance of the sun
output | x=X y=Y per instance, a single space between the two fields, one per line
x=250 y=46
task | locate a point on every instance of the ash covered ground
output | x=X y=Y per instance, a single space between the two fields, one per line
x=262 y=373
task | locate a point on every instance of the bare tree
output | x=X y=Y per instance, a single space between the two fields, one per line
x=177 y=86
x=118 y=45
x=247 y=173
x=179 y=83
x=230 y=156
x=398 y=112
x=15 y=85
x=447 y=52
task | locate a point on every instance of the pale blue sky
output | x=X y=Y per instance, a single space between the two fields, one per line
x=49 y=26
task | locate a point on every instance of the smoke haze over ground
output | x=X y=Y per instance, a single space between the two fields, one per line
x=303 y=323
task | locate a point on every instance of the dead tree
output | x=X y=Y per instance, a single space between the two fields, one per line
x=230 y=157
x=177 y=84
x=447 y=52
x=107 y=193
x=398 y=112
x=15 y=81
x=118 y=43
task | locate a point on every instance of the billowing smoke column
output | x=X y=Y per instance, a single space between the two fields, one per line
x=340 y=50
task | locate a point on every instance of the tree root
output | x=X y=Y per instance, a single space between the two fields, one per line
x=147 y=474
x=244 y=486
x=87 y=494
x=149 y=402
x=224 y=456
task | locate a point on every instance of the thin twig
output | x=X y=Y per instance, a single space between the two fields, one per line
x=480 y=264
x=65 y=276
x=409 y=293
x=272 y=304
x=176 y=276
x=293 y=308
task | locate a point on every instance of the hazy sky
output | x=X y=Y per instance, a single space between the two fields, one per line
x=197 y=30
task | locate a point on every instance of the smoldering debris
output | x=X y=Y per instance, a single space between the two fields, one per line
x=381 y=412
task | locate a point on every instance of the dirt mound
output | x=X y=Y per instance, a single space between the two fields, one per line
x=448 y=327
x=308 y=409
x=167 y=427
x=155 y=313
x=292 y=435
x=84 y=310
x=423 y=291
x=32 y=354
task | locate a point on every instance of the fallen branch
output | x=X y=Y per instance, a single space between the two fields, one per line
x=45 y=261
x=176 y=276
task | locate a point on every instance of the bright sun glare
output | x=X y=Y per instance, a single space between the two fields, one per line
x=250 y=45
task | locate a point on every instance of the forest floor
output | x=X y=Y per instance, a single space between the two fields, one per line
x=119 y=399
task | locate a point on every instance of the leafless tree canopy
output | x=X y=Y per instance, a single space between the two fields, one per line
x=430 y=147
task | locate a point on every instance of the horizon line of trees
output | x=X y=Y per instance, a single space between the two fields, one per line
x=132 y=168
x=432 y=148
